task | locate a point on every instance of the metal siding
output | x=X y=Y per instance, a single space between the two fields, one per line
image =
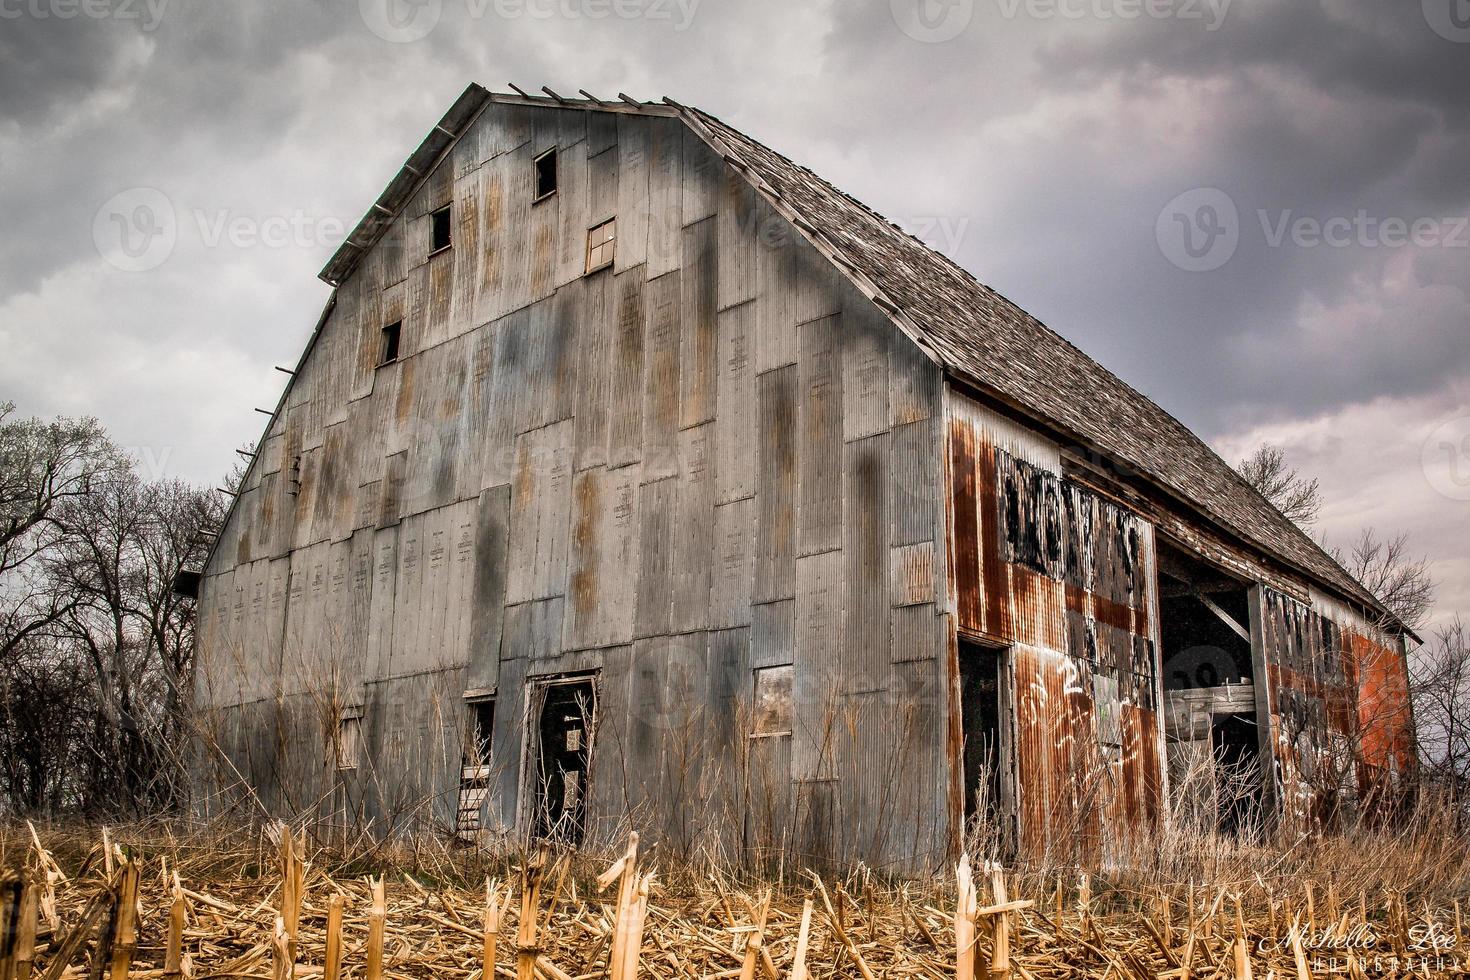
x=699 y=343
x=819 y=450
x=776 y=487
x=736 y=405
x=661 y=377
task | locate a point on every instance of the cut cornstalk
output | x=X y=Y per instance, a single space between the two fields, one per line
x=491 y=933
x=964 y=921
x=125 y=940
x=803 y=937
x=332 y=965
x=377 y=923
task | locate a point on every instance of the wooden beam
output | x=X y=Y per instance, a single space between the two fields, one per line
x=1225 y=617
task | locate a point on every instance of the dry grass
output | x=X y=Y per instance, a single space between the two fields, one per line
x=1178 y=903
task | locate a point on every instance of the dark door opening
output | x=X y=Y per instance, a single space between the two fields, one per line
x=983 y=753
x=563 y=726
x=1211 y=729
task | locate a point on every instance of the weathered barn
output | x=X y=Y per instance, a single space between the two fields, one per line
x=636 y=476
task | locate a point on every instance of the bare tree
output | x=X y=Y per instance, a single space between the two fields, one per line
x=1387 y=570
x=95 y=647
x=1442 y=710
x=43 y=467
x=1297 y=497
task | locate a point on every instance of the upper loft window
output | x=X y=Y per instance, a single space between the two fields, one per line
x=392 y=334
x=439 y=224
x=601 y=240
x=545 y=175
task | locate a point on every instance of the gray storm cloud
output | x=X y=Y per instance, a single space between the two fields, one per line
x=1037 y=142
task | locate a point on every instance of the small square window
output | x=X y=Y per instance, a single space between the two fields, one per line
x=392 y=334
x=439 y=225
x=601 y=240
x=546 y=175
x=772 y=715
x=348 y=743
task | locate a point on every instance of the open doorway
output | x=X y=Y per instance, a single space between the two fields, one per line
x=985 y=757
x=563 y=721
x=1210 y=722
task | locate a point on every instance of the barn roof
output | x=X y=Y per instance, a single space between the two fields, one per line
x=975 y=333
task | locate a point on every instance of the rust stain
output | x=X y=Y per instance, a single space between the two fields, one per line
x=966 y=526
x=954 y=746
x=999 y=620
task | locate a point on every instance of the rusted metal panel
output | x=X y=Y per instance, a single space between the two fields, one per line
x=819 y=514
x=1062 y=574
x=1341 y=725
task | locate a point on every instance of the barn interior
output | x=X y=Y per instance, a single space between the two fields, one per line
x=1209 y=688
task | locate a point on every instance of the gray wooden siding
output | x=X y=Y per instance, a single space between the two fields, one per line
x=715 y=457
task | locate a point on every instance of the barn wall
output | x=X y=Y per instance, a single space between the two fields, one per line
x=713 y=457
x=1341 y=724
x=1064 y=578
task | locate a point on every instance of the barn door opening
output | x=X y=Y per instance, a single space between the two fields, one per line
x=985 y=752
x=563 y=721
x=1212 y=729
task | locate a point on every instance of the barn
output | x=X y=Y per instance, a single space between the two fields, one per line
x=634 y=477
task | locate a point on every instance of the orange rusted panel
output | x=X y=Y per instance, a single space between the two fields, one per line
x=1047 y=567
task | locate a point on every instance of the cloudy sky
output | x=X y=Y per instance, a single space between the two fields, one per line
x=1252 y=210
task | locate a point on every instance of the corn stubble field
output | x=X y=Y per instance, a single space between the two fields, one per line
x=169 y=900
